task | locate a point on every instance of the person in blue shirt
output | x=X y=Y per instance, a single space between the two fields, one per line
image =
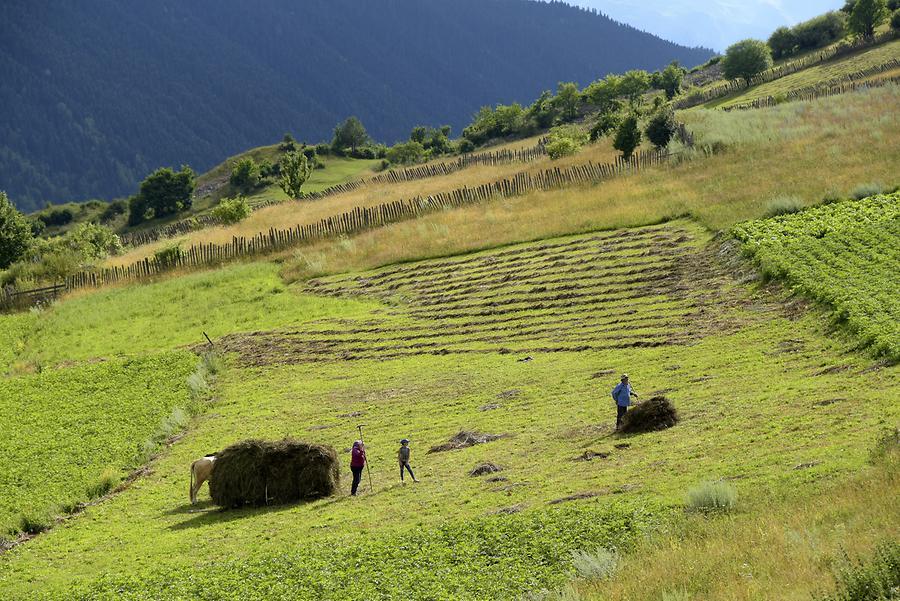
x=622 y=394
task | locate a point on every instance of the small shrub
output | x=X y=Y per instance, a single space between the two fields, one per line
x=170 y=255
x=865 y=190
x=232 y=210
x=711 y=497
x=876 y=580
x=212 y=362
x=562 y=147
x=104 y=483
x=895 y=20
x=198 y=386
x=596 y=565
x=783 y=205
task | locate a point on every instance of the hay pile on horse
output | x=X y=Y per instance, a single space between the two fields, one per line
x=259 y=472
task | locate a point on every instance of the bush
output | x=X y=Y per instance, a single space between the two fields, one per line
x=814 y=33
x=288 y=143
x=886 y=447
x=562 y=147
x=57 y=217
x=597 y=565
x=465 y=145
x=406 y=153
x=661 y=128
x=628 y=137
x=606 y=124
x=783 y=205
x=865 y=190
x=895 y=20
x=295 y=170
x=877 y=580
x=712 y=497
x=232 y=210
x=113 y=210
x=245 y=174
x=169 y=256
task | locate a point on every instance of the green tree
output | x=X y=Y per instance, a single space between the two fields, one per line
x=406 y=153
x=866 y=16
x=895 y=20
x=349 y=134
x=93 y=241
x=661 y=128
x=633 y=85
x=542 y=113
x=604 y=93
x=782 y=42
x=15 y=233
x=670 y=80
x=245 y=174
x=746 y=59
x=605 y=125
x=163 y=192
x=567 y=100
x=295 y=170
x=628 y=137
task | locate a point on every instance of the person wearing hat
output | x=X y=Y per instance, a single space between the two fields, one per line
x=622 y=394
x=403 y=458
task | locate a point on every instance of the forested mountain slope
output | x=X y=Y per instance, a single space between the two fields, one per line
x=98 y=93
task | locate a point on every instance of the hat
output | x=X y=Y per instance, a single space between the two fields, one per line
x=624 y=376
x=405 y=440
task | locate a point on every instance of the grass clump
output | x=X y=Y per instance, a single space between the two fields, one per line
x=595 y=565
x=865 y=190
x=710 y=497
x=783 y=205
x=104 y=483
x=34 y=522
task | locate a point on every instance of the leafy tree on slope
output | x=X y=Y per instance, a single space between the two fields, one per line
x=349 y=134
x=295 y=170
x=15 y=233
x=746 y=59
x=628 y=137
x=866 y=16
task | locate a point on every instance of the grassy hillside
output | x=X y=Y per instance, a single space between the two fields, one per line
x=807 y=150
x=823 y=73
x=744 y=373
x=511 y=320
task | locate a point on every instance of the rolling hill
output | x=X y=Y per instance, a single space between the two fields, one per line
x=97 y=94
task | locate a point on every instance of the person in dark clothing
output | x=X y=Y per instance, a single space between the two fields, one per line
x=403 y=458
x=357 y=464
x=622 y=394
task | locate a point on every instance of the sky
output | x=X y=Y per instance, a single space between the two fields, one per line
x=710 y=23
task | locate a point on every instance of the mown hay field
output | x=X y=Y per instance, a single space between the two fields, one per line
x=524 y=343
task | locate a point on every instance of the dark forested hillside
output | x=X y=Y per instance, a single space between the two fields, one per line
x=97 y=93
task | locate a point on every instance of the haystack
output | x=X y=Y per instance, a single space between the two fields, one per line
x=657 y=413
x=260 y=472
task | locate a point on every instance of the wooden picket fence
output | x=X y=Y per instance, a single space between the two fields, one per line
x=837 y=51
x=354 y=221
x=16 y=300
x=499 y=157
x=851 y=83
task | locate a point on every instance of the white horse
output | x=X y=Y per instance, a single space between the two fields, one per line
x=200 y=473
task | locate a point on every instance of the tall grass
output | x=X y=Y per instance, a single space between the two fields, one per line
x=785 y=548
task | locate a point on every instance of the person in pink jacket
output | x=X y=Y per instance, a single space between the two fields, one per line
x=357 y=464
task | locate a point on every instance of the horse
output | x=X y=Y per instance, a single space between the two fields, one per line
x=200 y=473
